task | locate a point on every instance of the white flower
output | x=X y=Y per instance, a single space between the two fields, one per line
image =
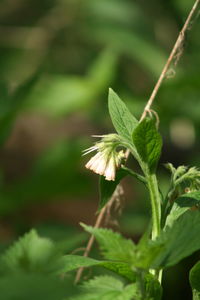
x=107 y=159
x=110 y=170
x=97 y=163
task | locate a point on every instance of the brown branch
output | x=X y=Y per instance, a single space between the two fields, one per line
x=147 y=109
x=98 y=222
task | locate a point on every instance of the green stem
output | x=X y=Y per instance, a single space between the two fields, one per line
x=156 y=213
x=136 y=175
x=155 y=204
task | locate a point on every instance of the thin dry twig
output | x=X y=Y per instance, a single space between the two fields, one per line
x=175 y=50
x=173 y=55
x=99 y=220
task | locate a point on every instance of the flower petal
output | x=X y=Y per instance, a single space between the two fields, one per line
x=92 y=160
x=110 y=170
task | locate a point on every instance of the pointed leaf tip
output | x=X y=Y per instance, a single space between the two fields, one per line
x=122 y=119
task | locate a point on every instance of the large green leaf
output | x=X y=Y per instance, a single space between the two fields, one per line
x=195 y=281
x=69 y=263
x=175 y=243
x=107 y=288
x=147 y=254
x=112 y=244
x=120 y=268
x=123 y=121
x=148 y=143
x=180 y=240
x=182 y=204
x=117 y=248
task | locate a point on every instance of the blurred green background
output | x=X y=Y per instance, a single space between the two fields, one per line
x=57 y=60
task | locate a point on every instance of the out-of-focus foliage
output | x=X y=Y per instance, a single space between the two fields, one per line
x=57 y=60
x=30 y=268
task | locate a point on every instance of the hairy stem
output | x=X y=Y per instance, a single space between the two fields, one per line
x=155 y=205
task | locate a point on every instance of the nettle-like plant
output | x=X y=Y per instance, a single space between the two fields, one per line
x=175 y=216
x=136 y=268
x=175 y=220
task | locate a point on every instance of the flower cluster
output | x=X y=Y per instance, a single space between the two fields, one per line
x=107 y=160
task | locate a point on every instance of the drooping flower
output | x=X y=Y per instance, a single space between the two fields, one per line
x=107 y=159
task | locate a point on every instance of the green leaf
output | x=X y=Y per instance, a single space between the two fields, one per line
x=120 y=268
x=123 y=121
x=148 y=143
x=147 y=253
x=195 y=281
x=107 y=288
x=115 y=247
x=174 y=243
x=182 y=204
x=69 y=263
x=180 y=240
x=30 y=253
x=112 y=244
